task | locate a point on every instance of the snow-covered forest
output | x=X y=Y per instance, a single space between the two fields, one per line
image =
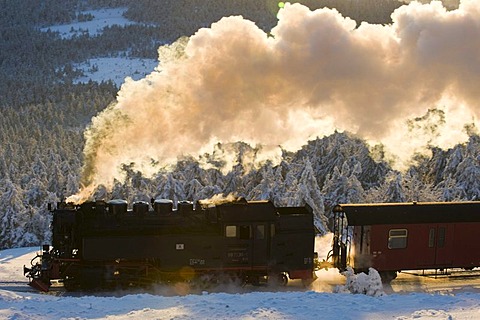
x=44 y=115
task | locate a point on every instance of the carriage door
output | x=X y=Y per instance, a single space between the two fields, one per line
x=260 y=245
x=441 y=237
x=433 y=246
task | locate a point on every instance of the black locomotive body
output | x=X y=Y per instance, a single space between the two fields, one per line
x=105 y=244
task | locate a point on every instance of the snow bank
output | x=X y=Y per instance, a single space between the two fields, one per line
x=254 y=305
x=369 y=284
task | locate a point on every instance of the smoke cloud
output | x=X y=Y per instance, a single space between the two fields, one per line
x=316 y=72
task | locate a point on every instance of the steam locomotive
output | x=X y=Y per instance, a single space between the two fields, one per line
x=98 y=245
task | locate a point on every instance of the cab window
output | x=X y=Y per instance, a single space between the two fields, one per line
x=260 y=232
x=231 y=231
x=245 y=232
x=240 y=232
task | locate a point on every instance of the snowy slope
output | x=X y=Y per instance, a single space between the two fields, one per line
x=101 y=19
x=292 y=302
x=105 y=68
x=115 y=69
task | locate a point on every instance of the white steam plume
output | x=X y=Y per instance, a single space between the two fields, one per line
x=316 y=72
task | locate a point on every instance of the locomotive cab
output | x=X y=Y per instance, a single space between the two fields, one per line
x=269 y=243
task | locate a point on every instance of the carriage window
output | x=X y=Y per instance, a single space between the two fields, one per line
x=441 y=237
x=397 y=239
x=245 y=232
x=231 y=231
x=260 y=232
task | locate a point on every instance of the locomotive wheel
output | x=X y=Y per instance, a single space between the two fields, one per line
x=282 y=279
x=254 y=280
x=70 y=284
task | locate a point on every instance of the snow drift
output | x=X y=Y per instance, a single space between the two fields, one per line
x=369 y=284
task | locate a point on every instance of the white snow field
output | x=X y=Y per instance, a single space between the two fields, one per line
x=102 y=18
x=105 y=68
x=326 y=299
x=115 y=69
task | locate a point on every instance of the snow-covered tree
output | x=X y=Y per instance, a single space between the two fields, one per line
x=343 y=186
x=265 y=189
x=449 y=190
x=170 y=188
x=415 y=189
x=468 y=178
x=194 y=190
x=309 y=193
x=12 y=216
x=389 y=191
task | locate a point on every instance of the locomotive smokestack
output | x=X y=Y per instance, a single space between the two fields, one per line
x=314 y=73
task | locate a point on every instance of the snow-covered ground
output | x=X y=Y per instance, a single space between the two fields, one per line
x=105 y=68
x=101 y=19
x=115 y=69
x=177 y=302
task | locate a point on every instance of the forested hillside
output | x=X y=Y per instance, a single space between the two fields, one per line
x=44 y=115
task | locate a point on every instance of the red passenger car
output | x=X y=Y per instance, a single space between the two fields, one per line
x=391 y=237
